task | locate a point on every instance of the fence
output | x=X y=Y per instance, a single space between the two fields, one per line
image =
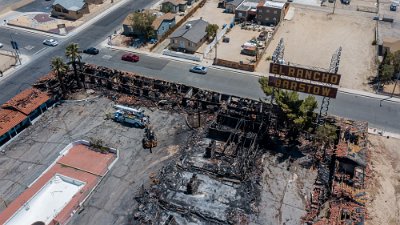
x=178 y=24
x=215 y=41
x=235 y=65
x=181 y=55
x=247 y=67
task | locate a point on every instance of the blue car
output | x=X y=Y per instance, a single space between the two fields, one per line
x=199 y=69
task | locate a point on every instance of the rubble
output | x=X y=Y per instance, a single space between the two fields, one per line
x=217 y=177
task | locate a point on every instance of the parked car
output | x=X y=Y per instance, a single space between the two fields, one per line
x=199 y=69
x=153 y=41
x=393 y=7
x=1 y=45
x=91 y=51
x=346 y=2
x=50 y=42
x=130 y=57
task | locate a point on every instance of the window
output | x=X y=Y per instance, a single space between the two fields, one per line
x=240 y=14
x=275 y=18
x=266 y=18
x=260 y=10
x=267 y=10
x=275 y=12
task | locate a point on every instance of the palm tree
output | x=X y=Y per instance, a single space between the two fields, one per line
x=60 y=68
x=73 y=54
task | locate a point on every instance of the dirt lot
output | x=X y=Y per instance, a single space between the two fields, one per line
x=231 y=51
x=113 y=201
x=210 y=13
x=384 y=207
x=6 y=61
x=311 y=38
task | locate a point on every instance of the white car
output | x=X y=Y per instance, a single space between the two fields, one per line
x=50 y=42
x=1 y=45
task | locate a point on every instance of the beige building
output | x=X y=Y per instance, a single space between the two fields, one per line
x=72 y=9
x=189 y=37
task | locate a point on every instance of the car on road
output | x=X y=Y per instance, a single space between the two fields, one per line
x=91 y=51
x=50 y=42
x=1 y=45
x=199 y=69
x=130 y=57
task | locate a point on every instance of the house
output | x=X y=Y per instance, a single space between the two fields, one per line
x=127 y=24
x=163 y=23
x=189 y=37
x=20 y=111
x=174 y=6
x=69 y=9
x=231 y=5
x=246 y=11
x=270 y=13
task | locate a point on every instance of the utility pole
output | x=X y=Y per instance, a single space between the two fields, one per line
x=334 y=7
x=394 y=89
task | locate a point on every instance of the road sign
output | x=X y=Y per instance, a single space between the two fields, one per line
x=303 y=73
x=298 y=86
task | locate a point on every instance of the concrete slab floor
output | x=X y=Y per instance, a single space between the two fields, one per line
x=35 y=149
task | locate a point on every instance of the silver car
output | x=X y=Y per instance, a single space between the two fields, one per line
x=1 y=45
x=50 y=42
x=199 y=69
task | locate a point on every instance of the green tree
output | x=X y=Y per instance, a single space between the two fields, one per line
x=299 y=114
x=166 y=8
x=73 y=54
x=211 y=30
x=386 y=73
x=264 y=86
x=142 y=23
x=60 y=69
x=326 y=134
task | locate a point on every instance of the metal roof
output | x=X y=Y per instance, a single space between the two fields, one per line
x=195 y=33
x=72 y=5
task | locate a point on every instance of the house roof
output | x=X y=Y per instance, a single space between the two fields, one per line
x=234 y=2
x=72 y=5
x=27 y=101
x=270 y=4
x=9 y=119
x=248 y=5
x=176 y=2
x=193 y=34
x=159 y=20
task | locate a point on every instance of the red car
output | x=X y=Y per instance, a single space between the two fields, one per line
x=130 y=57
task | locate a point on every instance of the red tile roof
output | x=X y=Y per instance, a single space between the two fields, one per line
x=77 y=155
x=9 y=119
x=27 y=101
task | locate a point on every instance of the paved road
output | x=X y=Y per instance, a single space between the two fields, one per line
x=41 y=56
x=347 y=105
x=28 y=43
